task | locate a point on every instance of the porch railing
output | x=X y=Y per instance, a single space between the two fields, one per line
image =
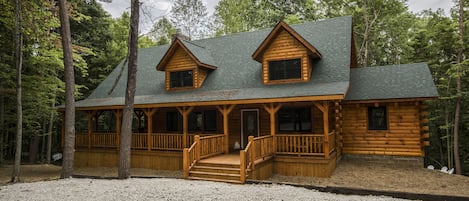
x=257 y=150
x=81 y=139
x=211 y=145
x=300 y=144
x=332 y=137
x=104 y=139
x=203 y=147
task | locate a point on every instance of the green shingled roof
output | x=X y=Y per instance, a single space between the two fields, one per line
x=391 y=82
x=238 y=76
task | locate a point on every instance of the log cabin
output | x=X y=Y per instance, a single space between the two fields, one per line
x=287 y=100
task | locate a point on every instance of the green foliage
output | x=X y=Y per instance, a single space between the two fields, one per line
x=191 y=17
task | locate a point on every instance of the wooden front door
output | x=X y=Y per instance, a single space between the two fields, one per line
x=249 y=125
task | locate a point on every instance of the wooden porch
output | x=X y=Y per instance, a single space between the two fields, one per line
x=210 y=156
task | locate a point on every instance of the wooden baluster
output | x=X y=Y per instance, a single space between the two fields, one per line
x=197 y=147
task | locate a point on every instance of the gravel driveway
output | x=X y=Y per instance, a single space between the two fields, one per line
x=162 y=189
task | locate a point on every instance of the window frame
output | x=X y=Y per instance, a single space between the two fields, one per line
x=268 y=63
x=171 y=87
x=370 y=124
x=298 y=120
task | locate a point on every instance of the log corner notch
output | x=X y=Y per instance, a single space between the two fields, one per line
x=338 y=127
x=424 y=128
x=225 y=110
x=185 y=111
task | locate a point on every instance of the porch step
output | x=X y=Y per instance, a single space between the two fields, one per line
x=226 y=170
x=209 y=171
x=221 y=165
x=217 y=180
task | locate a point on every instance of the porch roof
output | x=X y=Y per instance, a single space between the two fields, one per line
x=238 y=76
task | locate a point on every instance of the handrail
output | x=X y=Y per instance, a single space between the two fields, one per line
x=190 y=156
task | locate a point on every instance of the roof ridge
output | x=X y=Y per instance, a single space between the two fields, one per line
x=190 y=42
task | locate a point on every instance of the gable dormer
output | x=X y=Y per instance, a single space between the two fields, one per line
x=286 y=56
x=186 y=65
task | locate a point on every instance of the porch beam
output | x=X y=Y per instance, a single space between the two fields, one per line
x=272 y=109
x=185 y=111
x=118 y=114
x=90 y=115
x=149 y=112
x=225 y=110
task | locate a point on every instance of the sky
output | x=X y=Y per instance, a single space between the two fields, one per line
x=152 y=10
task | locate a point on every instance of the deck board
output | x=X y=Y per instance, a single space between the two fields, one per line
x=232 y=159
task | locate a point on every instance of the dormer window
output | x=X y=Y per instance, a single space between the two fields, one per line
x=286 y=57
x=181 y=79
x=285 y=69
x=186 y=64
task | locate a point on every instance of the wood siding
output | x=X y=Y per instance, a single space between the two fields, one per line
x=139 y=159
x=402 y=138
x=283 y=47
x=306 y=167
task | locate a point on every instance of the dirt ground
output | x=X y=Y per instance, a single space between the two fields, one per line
x=349 y=173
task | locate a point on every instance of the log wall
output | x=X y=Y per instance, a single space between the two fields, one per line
x=402 y=138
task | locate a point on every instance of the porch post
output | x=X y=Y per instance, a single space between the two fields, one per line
x=325 y=116
x=118 y=114
x=90 y=115
x=185 y=111
x=150 y=112
x=272 y=109
x=225 y=110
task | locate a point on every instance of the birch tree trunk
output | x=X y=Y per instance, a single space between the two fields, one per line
x=126 y=131
x=69 y=141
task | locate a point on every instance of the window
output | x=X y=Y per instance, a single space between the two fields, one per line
x=377 y=118
x=285 y=69
x=195 y=121
x=203 y=121
x=294 y=120
x=210 y=120
x=172 y=119
x=181 y=79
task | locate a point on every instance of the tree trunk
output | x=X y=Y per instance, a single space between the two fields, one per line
x=126 y=131
x=49 y=134
x=34 y=147
x=15 y=177
x=457 y=111
x=69 y=141
x=2 y=133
